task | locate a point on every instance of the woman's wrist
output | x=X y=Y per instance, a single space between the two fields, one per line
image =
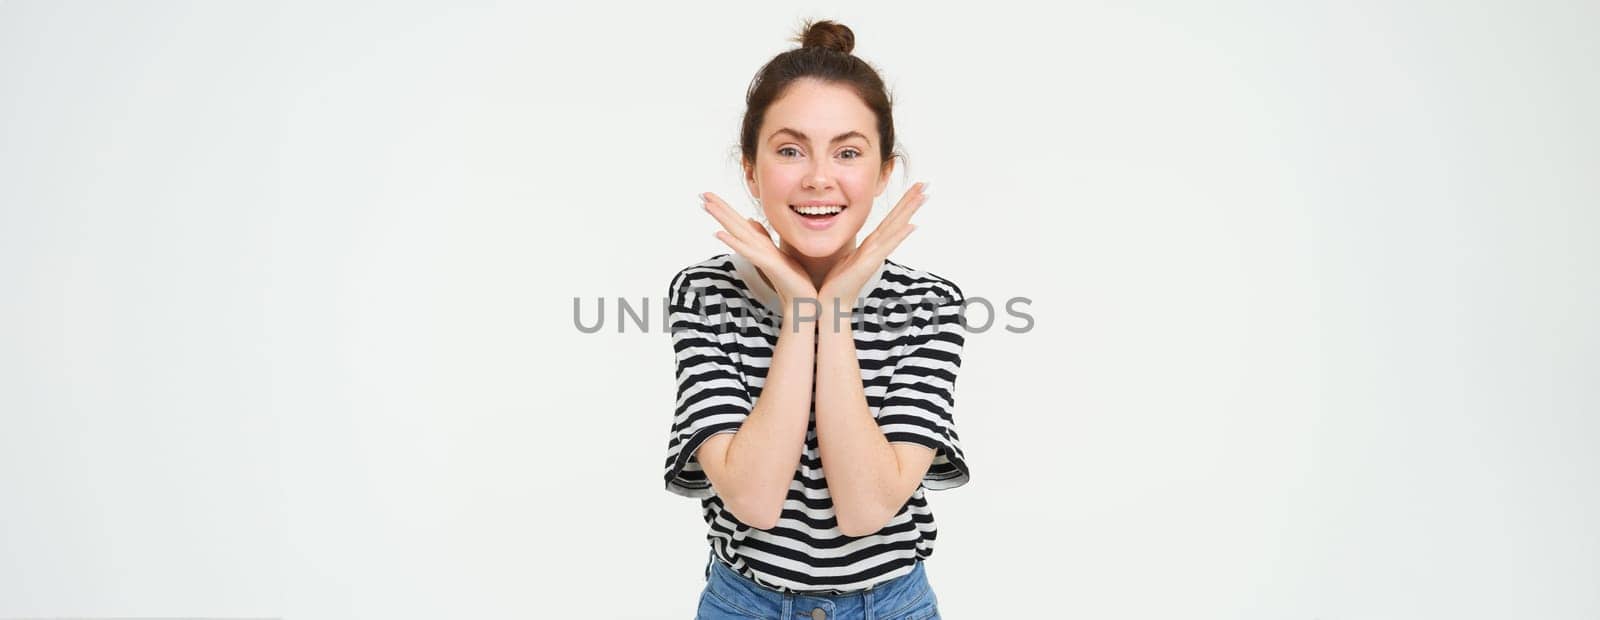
x=843 y=296
x=793 y=323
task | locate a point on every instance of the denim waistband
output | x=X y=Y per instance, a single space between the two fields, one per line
x=715 y=565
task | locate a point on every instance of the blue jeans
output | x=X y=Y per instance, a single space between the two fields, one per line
x=731 y=596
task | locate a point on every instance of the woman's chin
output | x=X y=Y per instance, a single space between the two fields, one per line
x=816 y=247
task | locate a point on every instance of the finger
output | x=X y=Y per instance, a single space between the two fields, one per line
x=893 y=241
x=726 y=216
x=760 y=230
x=885 y=228
x=898 y=218
x=755 y=255
x=733 y=243
x=909 y=203
x=900 y=215
x=906 y=198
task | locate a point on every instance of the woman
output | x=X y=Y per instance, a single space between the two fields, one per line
x=815 y=376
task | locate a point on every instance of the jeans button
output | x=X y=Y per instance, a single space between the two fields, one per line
x=818 y=614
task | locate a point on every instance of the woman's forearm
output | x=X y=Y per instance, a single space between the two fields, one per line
x=862 y=470
x=763 y=455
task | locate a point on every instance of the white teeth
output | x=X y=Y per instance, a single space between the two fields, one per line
x=819 y=210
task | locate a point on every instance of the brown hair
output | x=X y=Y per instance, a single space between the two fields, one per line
x=824 y=54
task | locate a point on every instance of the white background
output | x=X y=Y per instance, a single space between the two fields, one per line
x=286 y=321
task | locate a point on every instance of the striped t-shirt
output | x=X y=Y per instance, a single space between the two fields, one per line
x=725 y=322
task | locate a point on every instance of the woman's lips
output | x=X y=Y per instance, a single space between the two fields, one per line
x=816 y=222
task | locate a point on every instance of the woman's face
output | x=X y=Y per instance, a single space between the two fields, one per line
x=817 y=144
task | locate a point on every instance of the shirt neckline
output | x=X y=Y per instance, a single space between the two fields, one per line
x=768 y=298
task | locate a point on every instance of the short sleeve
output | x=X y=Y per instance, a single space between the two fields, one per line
x=712 y=397
x=919 y=405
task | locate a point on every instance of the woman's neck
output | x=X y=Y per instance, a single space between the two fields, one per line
x=817 y=268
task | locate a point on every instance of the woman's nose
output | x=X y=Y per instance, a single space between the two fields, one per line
x=820 y=177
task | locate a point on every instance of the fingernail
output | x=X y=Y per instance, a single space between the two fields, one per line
x=925 y=186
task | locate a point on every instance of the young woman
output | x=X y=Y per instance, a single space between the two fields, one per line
x=815 y=376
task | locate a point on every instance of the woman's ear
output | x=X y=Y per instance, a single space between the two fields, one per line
x=750 y=179
x=883 y=177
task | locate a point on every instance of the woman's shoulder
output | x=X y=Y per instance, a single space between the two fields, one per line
x=907 y=280
x=717 y=270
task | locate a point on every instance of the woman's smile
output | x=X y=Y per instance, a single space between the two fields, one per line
x=816 y=216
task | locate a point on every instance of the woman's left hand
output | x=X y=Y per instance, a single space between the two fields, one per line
x=845 y=279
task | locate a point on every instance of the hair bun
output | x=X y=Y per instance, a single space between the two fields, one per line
x=827 y=34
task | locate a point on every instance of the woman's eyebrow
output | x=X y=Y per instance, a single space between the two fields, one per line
x=836 y=139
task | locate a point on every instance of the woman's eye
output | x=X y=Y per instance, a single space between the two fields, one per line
x=787 y=148
x=852 y=152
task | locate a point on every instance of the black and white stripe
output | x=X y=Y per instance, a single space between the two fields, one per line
x=724 y=322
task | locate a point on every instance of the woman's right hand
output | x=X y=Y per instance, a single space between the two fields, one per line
x=752 y=241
